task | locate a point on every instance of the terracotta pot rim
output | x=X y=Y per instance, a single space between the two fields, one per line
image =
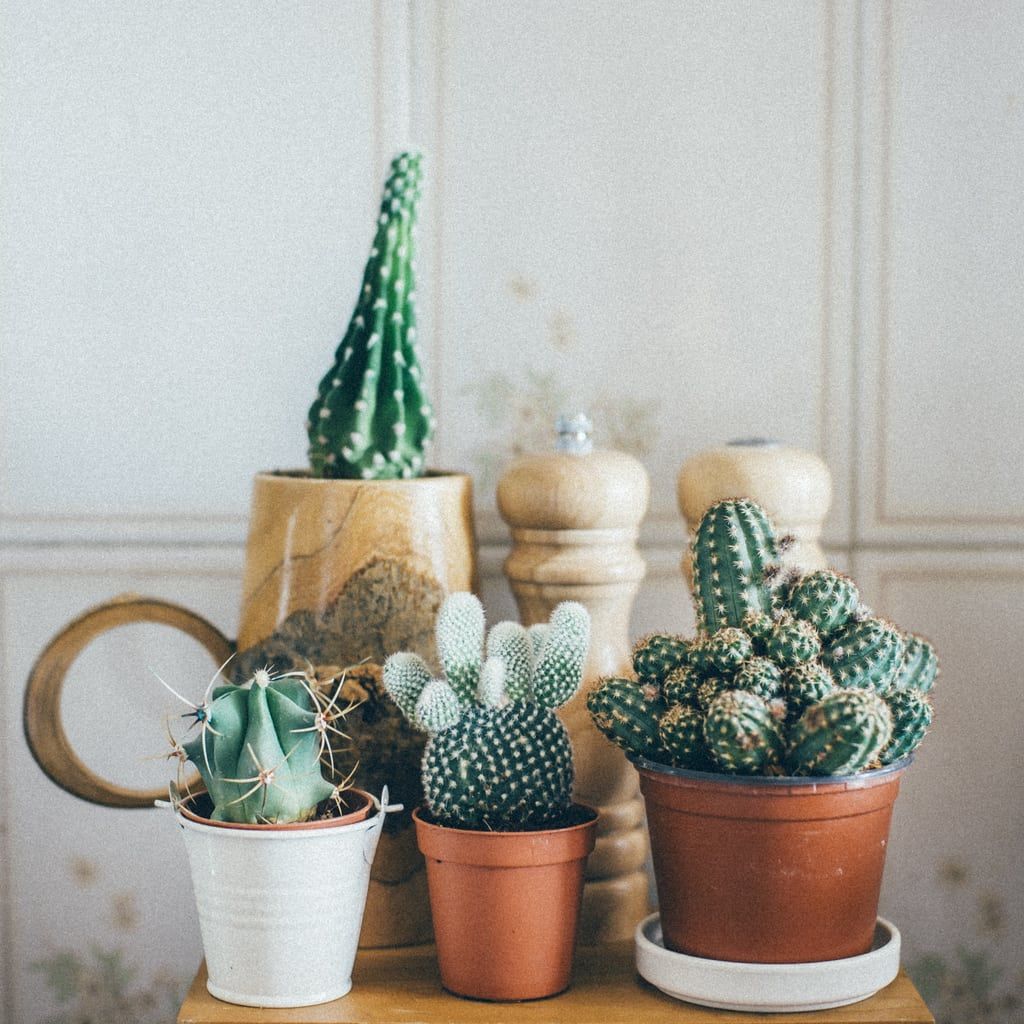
x=354 y=817
x=797 y=784
x=305 y=476
x=489 y=834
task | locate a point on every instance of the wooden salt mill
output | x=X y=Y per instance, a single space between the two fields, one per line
x=792 y=485
x=574 y=515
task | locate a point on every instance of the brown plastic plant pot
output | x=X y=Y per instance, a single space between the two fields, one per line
x=768 y=870
x=506 y=906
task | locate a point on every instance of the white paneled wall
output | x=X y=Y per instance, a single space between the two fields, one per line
x=698 y=220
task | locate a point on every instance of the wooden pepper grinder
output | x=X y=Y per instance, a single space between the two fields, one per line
x=792 y=485
x=574 y=514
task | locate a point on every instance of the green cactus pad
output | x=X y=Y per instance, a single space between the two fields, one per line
x=742 y=733
x=657 y=654
x=865 y=654
x=405 y=676
x=504 y=769
x=733 y=546
x=627 y=712
x=759 y=676
x=459 y=634
x=511 y=643
x=825 y=599
x=792 y=642
x=258 y=752
x=727 y=649
x=919 y=667
x=559 y=667
x=371 y=418
x=681 y=686
x=681 y=730
x=911 y=717
x=804 y=685
x=840 y=735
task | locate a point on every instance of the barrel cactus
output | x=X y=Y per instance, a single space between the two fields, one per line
x=261 y=749
x=371 y=419
x=498 y=757
x=788 y=672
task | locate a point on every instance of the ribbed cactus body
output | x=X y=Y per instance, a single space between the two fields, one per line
x=498 y=757
x=759 y=627
x=259 y=753
x=371 y=418
x=657 y=654
x=792 y=642
x=627 y=712
x=502 y=768
x=759 y=676
x=911 y=716
x=825 y=599
x=680 y=687
x=728 y=648
x=742 y=733
x=919 y=667
x=806 y=684
x=681 y=730
x=841 y=734
x=710 y=687
x=865 y=654
x=733 y=545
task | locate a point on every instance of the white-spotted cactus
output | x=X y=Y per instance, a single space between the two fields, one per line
x=371 y=419
x=498 y=757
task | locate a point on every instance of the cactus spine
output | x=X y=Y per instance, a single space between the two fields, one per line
x=657 y=654
x=911 y=716
x=628 y=714
x=371 y=419
x=742 y=733
x=498 y=757
x=865 y=654
x=825 y=599
x=681 y=732
x=841 y=734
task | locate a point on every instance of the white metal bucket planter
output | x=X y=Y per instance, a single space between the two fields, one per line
x=280 y=909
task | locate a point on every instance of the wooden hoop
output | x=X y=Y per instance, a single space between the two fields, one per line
x=44 y=728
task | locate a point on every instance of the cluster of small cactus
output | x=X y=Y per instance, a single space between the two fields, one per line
x=498 y=757
x=371 y=419
x=263 y=750
x=789 y=673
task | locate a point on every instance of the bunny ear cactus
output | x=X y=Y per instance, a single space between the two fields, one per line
x=258 y=751
x=498 y=756
x=371 y=419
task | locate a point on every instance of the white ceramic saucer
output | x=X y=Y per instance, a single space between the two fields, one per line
x=767 y=988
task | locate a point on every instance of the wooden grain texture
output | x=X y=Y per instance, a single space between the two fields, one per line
x=402 y=987
x=792 y=485
x=44 y=728
x=574 y=521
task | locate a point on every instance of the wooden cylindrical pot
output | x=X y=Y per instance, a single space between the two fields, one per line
x=792 y=485
x=574 y=520
x=345 y=572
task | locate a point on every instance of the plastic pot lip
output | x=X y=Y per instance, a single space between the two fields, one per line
x=795 y=784
x=361 y=816
x=304 y=476
x=506 y=849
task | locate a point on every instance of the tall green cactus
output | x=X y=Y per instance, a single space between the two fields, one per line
x=258 y=749
x=371 y=419
x=498 y=757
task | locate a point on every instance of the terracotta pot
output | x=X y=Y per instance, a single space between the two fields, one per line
x=506 y=906
x=768 y=870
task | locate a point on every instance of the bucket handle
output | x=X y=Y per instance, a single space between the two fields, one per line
x=374 y=832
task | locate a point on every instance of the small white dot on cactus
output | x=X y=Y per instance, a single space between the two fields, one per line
x=330 y=459
x=395 y=456
x=399 y=358
x=385 y=270
x=356 y=438
x=367 y=473
x=406 y=473
x=378 y=459
x=372 y=340
x=399 y=394
x=412 y=295
x=370 y=373
x=396 y=317
x=399 y=285
x=383 y=219
x=374 y=252
x=347 y=453
x=379 y=304
x=360 y=405
x=366 y=289
x=410 y=334
x=325 y=414
x=321 y=439
x=396 y=206
x=348 y=354
x=336 y=382
x=261 y=678
x=399 y=429
x=415 y=373
x=401 y=251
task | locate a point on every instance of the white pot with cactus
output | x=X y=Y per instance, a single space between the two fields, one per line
x=280 y=855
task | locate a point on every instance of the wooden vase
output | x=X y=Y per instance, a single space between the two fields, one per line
x=338 y=573
x=574 y=520
x=792 y=485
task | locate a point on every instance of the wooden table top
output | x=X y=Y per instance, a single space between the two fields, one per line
x=402 y=986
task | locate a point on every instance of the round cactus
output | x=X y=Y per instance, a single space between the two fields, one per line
x=825 y=599
x=840 y=735
x=759 y=676
x=627 y=713
x=658 y=654
x=681 y=730
x=759 y=627
x=919 y=667
x=792 y=642
x=911 y=716
x=733 y=546
x=680 y=687
x=742 y=733
x=804 y=685
x=709 y=688
x=865 y=654
x=727 y=649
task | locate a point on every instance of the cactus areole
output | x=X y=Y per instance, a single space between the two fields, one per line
x=371 y=419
